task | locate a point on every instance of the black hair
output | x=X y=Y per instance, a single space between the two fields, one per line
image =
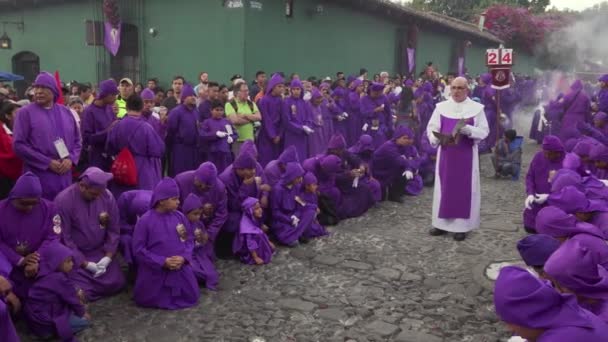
x=159 y=90
x=212 y=84
x=6 y=109
x=153 y=80
x=510 y=134
x=362 y=71
x=178 y=77
x=223 y=86
x=83 y=88
x=259 y=73
x=216 y=104
x=135 y=103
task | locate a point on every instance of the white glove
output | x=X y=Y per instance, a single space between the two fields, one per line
x=364 y=128
x=529 y=201
x=541 y=198
x=104 y=262
x=466 y=130
x=408 y=175
x=345 y=115
x=92 y=267
x=308 y=130
x=230 y=140
x=221 y=134
x=294 y=220
x=341 y=118
x=605 y=181
x=99 y=273
x=307 y=96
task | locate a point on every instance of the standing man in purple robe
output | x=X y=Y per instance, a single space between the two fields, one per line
x=46 y=137
x=318 y=140
x=297 y=118
x=89 y=216
x=270 y=138
x=182 y=134
x=457 y=192
x=577 y=106
x=28 y=222
x=353 y=108
x=98 y=119
x=147 y=147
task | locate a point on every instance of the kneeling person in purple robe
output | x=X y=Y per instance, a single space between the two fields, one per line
x=54 y=306
x=7 y=329
x=132 y=205
x=89 y=215
x=163 y=249
x=251 y=244
x=202 y=254
x=535 y=250
x=310 y=204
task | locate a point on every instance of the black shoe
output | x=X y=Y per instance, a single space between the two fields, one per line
x=460 y=236
x=396 y=199
x=304 y=240
x=530 y=230
x=436 y=232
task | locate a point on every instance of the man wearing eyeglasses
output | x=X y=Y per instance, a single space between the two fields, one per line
x=242 y=113
x=456 y=126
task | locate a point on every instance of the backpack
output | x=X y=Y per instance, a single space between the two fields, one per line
x=235 y=106
x=124 y=168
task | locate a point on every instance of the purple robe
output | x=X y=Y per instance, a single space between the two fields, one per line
x=90 y=239
x=202 y=258
x=314 y=229
x=95 y=127
x=379 y=124
x=218 y=149
x=602 y=100
x=355 y=119
x=53 y=298
x=576 y=105
x=250 y=237
x=158 y=126
x=365 y=153
x=537 y=182
x=326 y=175
x=390 y=161
x=155 y=239
x=271 y=108
x=182 y=139
x=317 y=141
x=7 y=329
x=297 y=114
x=35 y=131
x=488 y=100
x=429 y=160
x=284 y=206
x=146 y=146
x=131 y=205
x=237 y=193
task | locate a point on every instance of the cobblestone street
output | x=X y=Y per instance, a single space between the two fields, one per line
x=380 y=277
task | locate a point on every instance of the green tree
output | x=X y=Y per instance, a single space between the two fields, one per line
x=469 y=10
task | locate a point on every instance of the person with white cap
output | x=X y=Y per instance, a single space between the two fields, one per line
x=125 y=87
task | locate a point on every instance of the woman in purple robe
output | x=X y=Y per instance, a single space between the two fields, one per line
x=241 y=182
x=28 y=223
x=395 y=164
x=574 y=268
x=322 y=127
x=54 y=307
x=364 y=150
x=534 y=310
x=537 y=179
x=297 y=119
x=428 y=156
x=275 y=169
x=376 y=110
x=218 y=134
x=353 y=108
x=251 y=244
x=556 y=223
x=270 y=138
x=131 y=205
x=97 y=120
x=144 y=143
x=599 y=155
x=204 y=183
x=182 y=134
x=576 y=106
x=160 y=126
x=47 y=138
x=89 y=218
x=202 y=253
x=163 y=248
x=309 y=195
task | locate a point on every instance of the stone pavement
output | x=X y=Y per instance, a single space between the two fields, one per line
x=380 y=277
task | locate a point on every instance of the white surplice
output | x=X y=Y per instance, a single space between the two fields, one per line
x=480 y=130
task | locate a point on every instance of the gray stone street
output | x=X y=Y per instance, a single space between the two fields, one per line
x=379 y=277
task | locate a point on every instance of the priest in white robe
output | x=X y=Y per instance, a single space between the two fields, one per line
x=457 y=192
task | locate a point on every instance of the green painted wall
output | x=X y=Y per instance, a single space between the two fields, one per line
x=60 y=45
x=339 y=39
x=436 y=47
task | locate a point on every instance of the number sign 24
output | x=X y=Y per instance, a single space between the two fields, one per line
x=499 y=57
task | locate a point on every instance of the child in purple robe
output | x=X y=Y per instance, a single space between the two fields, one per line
x=310 y=198
x=599 y=155
x=364 y=150
x=50 y=147
x=219 y=134
x=535 y=250
x=532 y=309
x=270 y=138
x=395 y=164
x=202 y=254
x=159 y=124
x=251 y=243
x=89 y=218
x=322 y=130
x=545 y=162
x=98 y=119
x=28 y=223
x=182 y=133
x=275 y=169
x=338 y=108
x=53 y=306
x=297 y=119
x=163 y=248
x=574 y=268
x=131 y=205
x=376 y=110
x=144 y=143
x=286 y=226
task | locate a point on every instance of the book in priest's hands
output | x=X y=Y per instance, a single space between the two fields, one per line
x=453 y=138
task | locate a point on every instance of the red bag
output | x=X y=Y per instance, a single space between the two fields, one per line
x=124 y=168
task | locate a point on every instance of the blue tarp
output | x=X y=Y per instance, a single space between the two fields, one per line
x=8 y=77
